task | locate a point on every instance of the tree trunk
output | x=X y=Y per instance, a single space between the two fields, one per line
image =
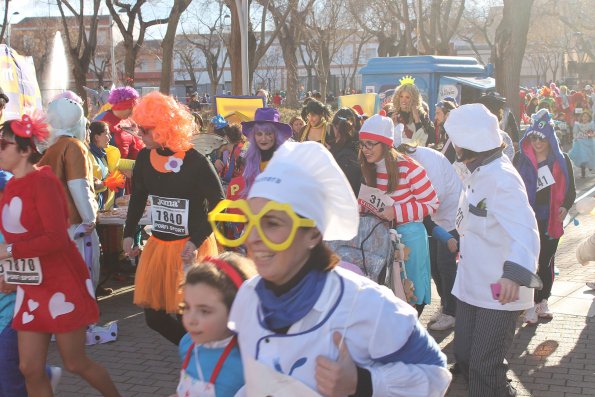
x=167 y=45
x=289 y=49
x=129 y=62
x=253 y=62
x=511 y=40
x=80 y=81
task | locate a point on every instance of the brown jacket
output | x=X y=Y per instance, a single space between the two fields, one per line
x=67 y=157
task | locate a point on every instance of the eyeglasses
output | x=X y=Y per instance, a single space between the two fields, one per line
x=4 y=143
x=242 y=215
x=368 y=144
x=535 y=138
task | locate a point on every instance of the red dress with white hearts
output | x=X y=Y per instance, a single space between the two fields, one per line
x=35 y=221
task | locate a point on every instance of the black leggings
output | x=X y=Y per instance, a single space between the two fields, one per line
x=547 y=252
x=169 y=327
x=420 y=308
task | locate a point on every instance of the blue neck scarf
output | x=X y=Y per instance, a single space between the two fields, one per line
x=97 y=151
x=282 y=311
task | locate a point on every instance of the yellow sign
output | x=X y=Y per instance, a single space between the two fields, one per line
x=369 y=103
x=246 y=106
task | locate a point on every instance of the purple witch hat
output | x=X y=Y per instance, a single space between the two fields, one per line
x=267 y=116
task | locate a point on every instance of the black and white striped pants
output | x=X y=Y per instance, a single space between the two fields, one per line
x=482 y=339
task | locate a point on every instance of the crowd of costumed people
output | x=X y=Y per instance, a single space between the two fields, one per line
x=260 y=258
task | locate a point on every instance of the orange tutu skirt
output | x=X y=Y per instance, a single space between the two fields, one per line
x=160 y=272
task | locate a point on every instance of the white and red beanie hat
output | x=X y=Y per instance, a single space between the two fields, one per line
x=378 y=128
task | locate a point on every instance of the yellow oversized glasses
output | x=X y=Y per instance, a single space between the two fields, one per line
x=239 y=213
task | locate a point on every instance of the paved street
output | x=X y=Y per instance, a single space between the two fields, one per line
x=551 y=359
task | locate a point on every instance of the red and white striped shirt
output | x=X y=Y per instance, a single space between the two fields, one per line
x=415 y=196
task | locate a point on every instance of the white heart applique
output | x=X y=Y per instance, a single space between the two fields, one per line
x=90 y=288
x=58 y=305
x=11 y=216
x=32 y=305
x=27 y=318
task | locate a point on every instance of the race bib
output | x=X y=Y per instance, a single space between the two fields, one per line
x=21 y=271
x=170 y=215
x=373 y=199
x=544 y=178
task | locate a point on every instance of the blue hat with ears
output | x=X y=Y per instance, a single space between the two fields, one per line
x=219 y=122
x=542 y=126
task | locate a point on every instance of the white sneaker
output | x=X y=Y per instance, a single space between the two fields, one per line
x=436 y=316
x=445 y=322
x=591 y=284
x=531 y=316
x=55 y=376
x=544 y=310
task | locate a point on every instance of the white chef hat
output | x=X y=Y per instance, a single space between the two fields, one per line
x=473 y=127
x=306 y=176
x=378 y=128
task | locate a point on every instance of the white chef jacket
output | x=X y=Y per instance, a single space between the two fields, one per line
x=374 y=322
x=446 y=182
x=496 y=225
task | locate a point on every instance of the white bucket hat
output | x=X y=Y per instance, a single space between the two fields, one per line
x=306 y=176
x=473 y=127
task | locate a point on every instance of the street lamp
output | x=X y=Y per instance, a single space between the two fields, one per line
x=8 y=27
x=242 y=9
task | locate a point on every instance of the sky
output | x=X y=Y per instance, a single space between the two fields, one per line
x=36 y=8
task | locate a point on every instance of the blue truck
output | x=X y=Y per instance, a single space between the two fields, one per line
x=436 y=77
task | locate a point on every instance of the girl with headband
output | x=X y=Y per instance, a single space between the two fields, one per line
x=212 y=365
x=305 y=326
x=54 y=291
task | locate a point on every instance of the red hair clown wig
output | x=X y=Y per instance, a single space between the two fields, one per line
x=171 y=123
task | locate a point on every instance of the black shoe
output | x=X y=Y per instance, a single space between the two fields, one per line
x=101 y=291
x=126 y=267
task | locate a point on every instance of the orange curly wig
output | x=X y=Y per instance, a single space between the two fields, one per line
x=171 y=123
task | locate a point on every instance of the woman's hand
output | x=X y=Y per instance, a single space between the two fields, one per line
x=336 y=378
x=562 y=212
x=218 y=165
x=6 y=288
x=509 y=291
x=452 y=244
x=189 y=252
x=415 y=114
x=387 y=213
x=127 y=247
x=98 y=184
x=88 y=228
x=3 y=253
